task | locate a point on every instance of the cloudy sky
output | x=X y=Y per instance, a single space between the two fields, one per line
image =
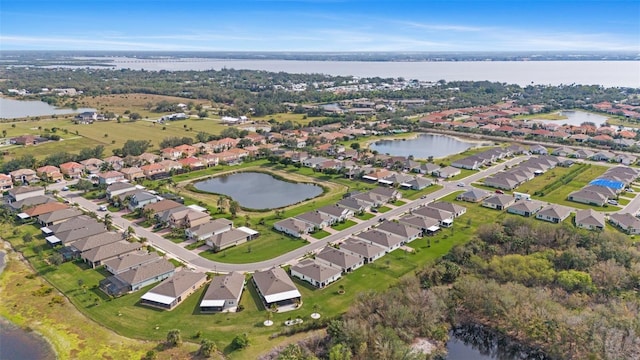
x=320 y=25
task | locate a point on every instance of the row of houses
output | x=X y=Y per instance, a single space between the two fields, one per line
x=344 y=209
x=606 y=187
x=512 y=178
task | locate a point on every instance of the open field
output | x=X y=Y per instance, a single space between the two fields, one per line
x=85 y=136
x=260 y=249
x=118 y=104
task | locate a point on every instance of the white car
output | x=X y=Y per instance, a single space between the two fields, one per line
x=612 y=202
x=461 y=185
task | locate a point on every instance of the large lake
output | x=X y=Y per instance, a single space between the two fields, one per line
x=13 y=109
x=259 y=191
x=523 y=73
x=576 y=118
x=423 y=146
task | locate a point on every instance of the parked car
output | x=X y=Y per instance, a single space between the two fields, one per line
x=612 y=202
x=461 y=185
x=102 y=208
x=374 y=210
x=499 y=192
x=65 y=188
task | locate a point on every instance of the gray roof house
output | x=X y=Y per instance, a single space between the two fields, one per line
x=208 y=229
x=366 y=250
x=354 y=204
x=58 y=217
x=22 y=192
x=94 y=241
x=499 y=181
x=445 y=218
x=30 y=201
x=77 y=222
x=227 y=239
x=69 y=236
x=499 y=202
x=424 y=224
x=448 y=172
x=553 y=213
x=590 y=219
x=455 y=209
x=293 y=227
x=418 y=183
x=135 y=279
x=525 y=208
x=317 y=219
x=588 y=197
x=223 y=294
x=129 y=261
x=538 y=149
x=276 y=288
x=473 y=195
x=469 y=163
x=337 y=212
x=388 y=241
x=96 y=256
x=390 y=194
x=141 y=198
x=315 y=273
x=626 y=222
x=172 y=291
x=429 y=169
x=344 y=261
x=407 y=233
x=118 y=188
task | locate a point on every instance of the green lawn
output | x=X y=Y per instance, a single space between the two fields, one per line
x=416 y=194
x=259 y=249
x=344 y=225
x=399 y=203
x=320 y=234
x=623 y=201
x=365 y=216
x=383 y=209
x=463 y=174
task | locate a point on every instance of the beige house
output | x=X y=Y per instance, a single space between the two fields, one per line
x=174 y=290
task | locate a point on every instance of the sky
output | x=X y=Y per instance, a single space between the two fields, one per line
x=321 y=25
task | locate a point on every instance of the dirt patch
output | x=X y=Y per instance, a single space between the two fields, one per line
x=423 y=345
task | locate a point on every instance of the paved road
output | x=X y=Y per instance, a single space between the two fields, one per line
x=197 y=262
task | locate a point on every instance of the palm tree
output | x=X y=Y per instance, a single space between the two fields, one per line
x=108 y=221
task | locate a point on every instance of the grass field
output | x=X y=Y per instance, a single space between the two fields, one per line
x=262 y=248
x=345 y=225
x=320 y=234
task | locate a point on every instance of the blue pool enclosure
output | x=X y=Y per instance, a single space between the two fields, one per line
x=612 y=184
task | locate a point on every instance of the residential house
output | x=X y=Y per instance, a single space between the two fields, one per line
x=110 y=177
x=428 y=169
x=24 y=176
x=209 y=160
x=6 y=182
x=154 y=171
x=553 y=213
x=148 y=158
x=344 y=261
x=418 y=183
x=590 y=220
x=354 y=205
x=626 y=222
x=192 y=163
x=186 y=150
x=97 y=256
x=41 y=209
x=455 y=209
x=72 y=170
x=208 y=229
x=474 y=195
x=187 y=218
x=338 y=213
x=588 y=197
x=115 y=162
x=171 y=153
x=383 y=239
x=389 y=193
x=135 y=279
x=538 y=149
x=94 y=241
x=49 y=173
x=174 y=290
x=427 y=226
x=499 y=202
x=119 y=188
x=92 y=166
x=18 y=206
x=407 y=233
x=140 y=199
x=77 y=222
x=317 y=219
x=23 y=192
x=368 y=251
x=129 y=261
x=276 y=289
x=227 y=239
x=315 y=272
x=224 y=293
x=444 y=218
x=170 y=166
x=69 y=236
x=448 y=172
x=469 y=163
x=132 y=173
x=58 y=216
x=526 y=208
